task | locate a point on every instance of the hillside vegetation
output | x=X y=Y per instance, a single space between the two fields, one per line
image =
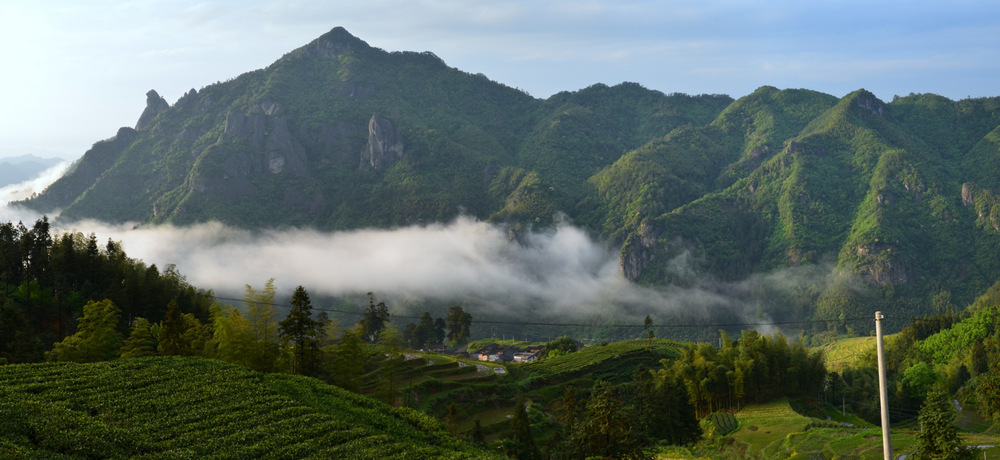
x=192 y=407
x=897 y=200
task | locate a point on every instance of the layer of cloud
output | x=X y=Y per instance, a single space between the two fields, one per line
x=17 y=192
x=559 y=275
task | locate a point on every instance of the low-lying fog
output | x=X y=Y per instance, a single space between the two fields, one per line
x=557 y=274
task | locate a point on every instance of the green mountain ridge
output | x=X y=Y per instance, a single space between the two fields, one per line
x=899 y=198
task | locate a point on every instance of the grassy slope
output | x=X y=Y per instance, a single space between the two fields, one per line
x=190 y=407
x=775 y=431
x=843 y=353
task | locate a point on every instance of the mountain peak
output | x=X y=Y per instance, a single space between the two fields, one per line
x=868 y=101
x=335 y=42
x=154 y=105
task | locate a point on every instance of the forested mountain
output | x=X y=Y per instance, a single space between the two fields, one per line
x=898 y=198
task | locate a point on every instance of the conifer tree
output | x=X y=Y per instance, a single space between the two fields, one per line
x=375 y=318
x=457 y=324
x=520 y=439
x=938 y=438
x=302 y=332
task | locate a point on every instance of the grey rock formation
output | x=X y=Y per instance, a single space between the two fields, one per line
x=384 y=144
x=637 y=252
x=155 y=104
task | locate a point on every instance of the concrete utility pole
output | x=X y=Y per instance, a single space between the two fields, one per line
x=883 y=396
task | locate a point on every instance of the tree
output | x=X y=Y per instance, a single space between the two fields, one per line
x=648 y=325
x=423 y=333
x=375 y=317
x=171 y=341
x=349 y=362
x=520 y=441
x=408 y=331
x=142 y=339
x=96 y=338
x=559 y=346
x=231 y=338
x=439 y=326
x=302 y=332
x=664 y=409
x=457 y=323
x=262 y=319
x=478 y=437
x=607 y=429
x=938 y=438
x=451 y=418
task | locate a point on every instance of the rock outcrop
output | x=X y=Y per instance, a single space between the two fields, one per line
x=155 y=104
x=637 y=252
x=869 y=102
x=385 y=146
x=270 y=146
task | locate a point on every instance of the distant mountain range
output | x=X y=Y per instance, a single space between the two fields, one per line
x=14 y=170
x=899 y=198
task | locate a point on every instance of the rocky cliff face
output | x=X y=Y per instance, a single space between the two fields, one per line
x=384 y=144
x=637 y=252
x=270 y=146
x=155 y=104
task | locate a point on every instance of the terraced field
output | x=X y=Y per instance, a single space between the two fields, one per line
x=845 y=352
x=192 y=407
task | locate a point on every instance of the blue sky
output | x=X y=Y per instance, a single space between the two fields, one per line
x=75 y=71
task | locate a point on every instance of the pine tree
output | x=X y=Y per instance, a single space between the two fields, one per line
x=607 y=428
x=938 y=438
x=302 y=332
x=457 y=323
x=424 y=332
x=520 y=438
x=375 y=318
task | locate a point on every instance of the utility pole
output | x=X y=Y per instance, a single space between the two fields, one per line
x=886 y=441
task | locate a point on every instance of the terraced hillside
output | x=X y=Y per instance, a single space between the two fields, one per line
x=488 y=393
x=193 y=408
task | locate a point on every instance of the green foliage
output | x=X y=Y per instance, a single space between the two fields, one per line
x=301 y=331
x=945 y=345
x=375 y=318
x=457 y=323
x=191 y=407
x=938 y=438
x=262 y=327
x=754 y=368
x=900 y=197
x=96 y=338
x=142 y=340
